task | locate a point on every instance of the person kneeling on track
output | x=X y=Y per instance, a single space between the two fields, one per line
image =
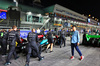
x=50 y=40
x=32 y=39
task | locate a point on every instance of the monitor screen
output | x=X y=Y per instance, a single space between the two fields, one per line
x=3 y=15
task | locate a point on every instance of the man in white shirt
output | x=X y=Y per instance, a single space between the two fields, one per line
x=38 y=30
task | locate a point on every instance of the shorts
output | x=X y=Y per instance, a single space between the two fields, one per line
x=50 y=40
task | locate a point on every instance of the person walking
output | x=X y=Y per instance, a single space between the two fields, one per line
x=75 y=39
x=50 y=40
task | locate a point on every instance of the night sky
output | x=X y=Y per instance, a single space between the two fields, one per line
x=85 y=7
x=81 y=6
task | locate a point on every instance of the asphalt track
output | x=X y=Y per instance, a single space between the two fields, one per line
x=61 y=57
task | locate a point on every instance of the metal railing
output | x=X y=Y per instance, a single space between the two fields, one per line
x=46 y=21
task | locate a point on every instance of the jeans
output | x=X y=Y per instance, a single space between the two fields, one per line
x=76 y=47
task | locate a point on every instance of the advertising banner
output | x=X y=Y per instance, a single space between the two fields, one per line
x=24 y=34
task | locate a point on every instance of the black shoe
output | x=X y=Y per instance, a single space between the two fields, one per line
x=16 y=57
x=60 y=46
x=41 y=58
x=7 y=63
x=51 y=51
x=27 y=64
x=64 y=46
x=46 y=51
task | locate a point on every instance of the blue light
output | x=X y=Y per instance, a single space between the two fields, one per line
x=3 y=15
x=98 y=23
x=89 y=20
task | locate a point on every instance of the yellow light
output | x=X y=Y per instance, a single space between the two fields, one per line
x=89 y=15
x=97 y=19
x=93 y=17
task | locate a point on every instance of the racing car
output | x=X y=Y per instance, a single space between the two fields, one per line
x=91 y=40
x=21 y=47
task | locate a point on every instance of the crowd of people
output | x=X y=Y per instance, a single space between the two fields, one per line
x=12 y=35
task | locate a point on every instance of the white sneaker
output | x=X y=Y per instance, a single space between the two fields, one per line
x=4 y=55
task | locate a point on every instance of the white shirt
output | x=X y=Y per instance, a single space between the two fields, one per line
x=38 y=31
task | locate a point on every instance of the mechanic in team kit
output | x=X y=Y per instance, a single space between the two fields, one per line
x=32 y=45
x=4 y=43
x=12 y=36
x=62 y=37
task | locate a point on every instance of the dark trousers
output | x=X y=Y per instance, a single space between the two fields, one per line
x=63 y=40
x=4 y=46
x=30 y=48
x=74 y=45
x=40 y=48
x=11 y=52
x=0 y=41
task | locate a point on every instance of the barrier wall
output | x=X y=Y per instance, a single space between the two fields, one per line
x=24 y=34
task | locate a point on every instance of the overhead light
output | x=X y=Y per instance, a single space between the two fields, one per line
x=97 y=19
x=60 y=19
x=29 y=13
x=55 y=18
x=89 y=15
x=93 y=17
x=14 y=1
x=47 y=16
x=39 y=15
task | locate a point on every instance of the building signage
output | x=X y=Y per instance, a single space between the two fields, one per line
x=24 y=34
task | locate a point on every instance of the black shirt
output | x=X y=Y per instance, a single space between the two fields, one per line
x=12 y=37
x=62 y=33
x=49 y=34
x=32 y=37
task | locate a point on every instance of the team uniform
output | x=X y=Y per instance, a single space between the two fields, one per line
x=4 y=43
x=62 y=37
x=12 y=37
x=32 y=45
